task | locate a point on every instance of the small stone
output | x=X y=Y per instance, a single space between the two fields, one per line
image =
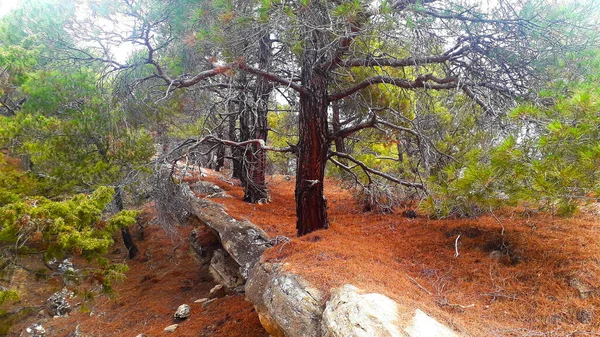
x=141 y=335
x=585 y=316
x=411 y=214
x=58 y=304
x=201 y=300
x=182 y=312
x=584 y=289
x=66 y=267
x=217 y=291
x=35 y=330
x=171 y=328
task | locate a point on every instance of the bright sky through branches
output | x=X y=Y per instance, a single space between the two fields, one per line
x=8 y=5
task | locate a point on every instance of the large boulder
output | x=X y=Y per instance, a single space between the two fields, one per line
x=286 y=304
x=350 y=313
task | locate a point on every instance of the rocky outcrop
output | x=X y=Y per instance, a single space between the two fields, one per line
x=350 y=313
x=286 y=304
x=225 y=270
x=243 y=241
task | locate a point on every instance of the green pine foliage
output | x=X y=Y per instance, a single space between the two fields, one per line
x=549 y=161
x=8 y=296
x=72 y=226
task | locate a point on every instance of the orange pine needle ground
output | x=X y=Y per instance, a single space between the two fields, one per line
x=512 y=284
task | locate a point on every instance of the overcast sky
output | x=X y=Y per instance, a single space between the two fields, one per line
x=7 y=5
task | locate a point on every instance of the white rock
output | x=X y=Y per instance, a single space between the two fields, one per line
x=35 y=330
x=183 y=311
x=350 y=313
x=424 y=326
x=171 y=328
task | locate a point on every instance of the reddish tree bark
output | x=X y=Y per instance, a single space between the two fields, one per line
x=311 y=205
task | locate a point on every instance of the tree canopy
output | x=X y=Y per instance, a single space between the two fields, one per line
x=458 y=106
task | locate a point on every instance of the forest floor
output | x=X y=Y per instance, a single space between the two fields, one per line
x=516 y=273
x=165 y=274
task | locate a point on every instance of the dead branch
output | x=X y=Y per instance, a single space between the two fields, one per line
x=418 y=285
x=369 y=171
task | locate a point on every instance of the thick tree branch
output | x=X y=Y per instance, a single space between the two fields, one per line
x=349 y=170
x=343 y=47
x=199 y=77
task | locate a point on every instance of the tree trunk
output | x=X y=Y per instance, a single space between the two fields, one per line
x=311 y=206
x=256 y=189
x=132 y=249
x=220 y=154
x=236 y=152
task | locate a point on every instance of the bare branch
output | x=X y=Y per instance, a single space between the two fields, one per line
x=389 y=62
x=428 y=81
x=368 y=169
x=343 y=133
x=272 y=77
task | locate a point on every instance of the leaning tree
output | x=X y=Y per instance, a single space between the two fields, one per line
x=327 y=54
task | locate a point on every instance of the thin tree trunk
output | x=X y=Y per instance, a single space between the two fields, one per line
x=236 y=152
x=132 y=249
x=340 y=146
x=220 y=154
x=256 y=189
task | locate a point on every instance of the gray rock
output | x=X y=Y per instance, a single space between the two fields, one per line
x=350 y=313
x=171 y=328
x=243 y=241
x=585 y=316
x=183 y=311
x=58 y=304
x=34 y=330
x=584 y=289
x=424 y=326
x=225 y=270
x=66 y=267
x=205 y=187
x=286 y=304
